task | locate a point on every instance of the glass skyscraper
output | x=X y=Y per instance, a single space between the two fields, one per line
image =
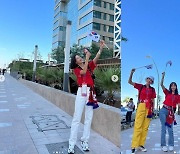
x=85 y=15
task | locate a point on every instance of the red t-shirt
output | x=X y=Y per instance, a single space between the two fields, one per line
x=171 y=99
x=146 y=93
x=86 y=78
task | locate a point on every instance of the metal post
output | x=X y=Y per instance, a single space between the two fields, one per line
x=158 y=84
x=34 y=66
x=67 y=56
x=49 y=59
x=158 y=81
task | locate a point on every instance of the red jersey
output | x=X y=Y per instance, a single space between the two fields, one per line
x=85 y=78
x=171 y=99
x=145 y=93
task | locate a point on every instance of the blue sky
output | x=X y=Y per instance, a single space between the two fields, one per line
x=152 y=28
x=23 y=24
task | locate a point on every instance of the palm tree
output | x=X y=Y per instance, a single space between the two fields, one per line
x=104 y=81
x=126 y=99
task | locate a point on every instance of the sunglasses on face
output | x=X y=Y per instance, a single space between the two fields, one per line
x=150 y=79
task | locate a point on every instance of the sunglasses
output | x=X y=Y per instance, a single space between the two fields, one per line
x=150 y=79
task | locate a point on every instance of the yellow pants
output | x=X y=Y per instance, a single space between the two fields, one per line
x=141 y=126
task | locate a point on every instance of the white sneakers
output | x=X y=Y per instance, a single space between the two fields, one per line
x=171 y=148
x=71 y=149
x=85 y=146
x=165 y=149
x=143 y=149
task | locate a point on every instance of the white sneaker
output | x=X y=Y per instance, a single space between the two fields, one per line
x=133 y=151
x=171 y=148
x=142 y=148
x=164 y=149
x=71 y=149
x=85 y=146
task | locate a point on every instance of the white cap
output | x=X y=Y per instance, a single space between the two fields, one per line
x=152 y=78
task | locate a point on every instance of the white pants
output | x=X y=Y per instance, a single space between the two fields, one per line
x=80 y=103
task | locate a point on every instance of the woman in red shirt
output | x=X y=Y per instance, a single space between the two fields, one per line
x=85 y=97
x=144 y=112
x=166 y=114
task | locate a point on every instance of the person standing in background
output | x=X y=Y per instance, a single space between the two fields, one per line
x=130 y=109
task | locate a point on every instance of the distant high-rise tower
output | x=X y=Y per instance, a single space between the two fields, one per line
x=86 y=15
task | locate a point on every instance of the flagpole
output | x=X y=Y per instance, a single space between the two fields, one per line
x=146 y=66
x=158 y=81
x=105 y=45
x=165 y=69
x=139 y=67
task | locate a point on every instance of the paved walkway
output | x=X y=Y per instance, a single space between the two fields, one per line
x=153 y=139
x=19 y=135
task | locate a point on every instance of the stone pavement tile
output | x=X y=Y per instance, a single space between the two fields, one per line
x=33 y=130
x=38 y=135
x=26 y=149
x=56 y=139
x=41 y=141
x=51 y=132
x=14 y=151
x=6 y=131
x=31 y=126
x=6 y=143
x=153 y=139
x=64 y=135
x=21 y=133
x=42 y=149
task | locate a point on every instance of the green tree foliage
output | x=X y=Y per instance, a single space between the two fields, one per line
x=126 y=99
x=77 y=50
x=106 y=53
x=58 y=54
x=49 y=76
x=103 y=79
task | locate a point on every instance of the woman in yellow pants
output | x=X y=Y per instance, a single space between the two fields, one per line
x=144 y=112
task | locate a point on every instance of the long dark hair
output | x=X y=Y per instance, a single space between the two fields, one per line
x=73 y=64
x=170 y=90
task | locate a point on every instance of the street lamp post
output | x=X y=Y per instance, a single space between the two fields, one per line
x=158 y=80
x=67 y=57
x=34 y=66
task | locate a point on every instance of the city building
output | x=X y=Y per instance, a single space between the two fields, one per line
x=86 y=16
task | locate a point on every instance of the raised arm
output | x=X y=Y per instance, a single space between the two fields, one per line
x=99 y=52
x=88 y=54
x=130 y=77
x=162 y=81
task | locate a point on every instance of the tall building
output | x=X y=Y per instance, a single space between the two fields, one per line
x=85 y=15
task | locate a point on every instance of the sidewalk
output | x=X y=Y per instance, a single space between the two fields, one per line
x=20 y=107
x=153 y=139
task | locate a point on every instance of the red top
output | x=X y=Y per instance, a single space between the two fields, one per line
x=146 y=93
x=86 y=78
x=171 y=99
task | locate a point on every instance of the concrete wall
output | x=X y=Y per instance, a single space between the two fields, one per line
x=106 y=119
